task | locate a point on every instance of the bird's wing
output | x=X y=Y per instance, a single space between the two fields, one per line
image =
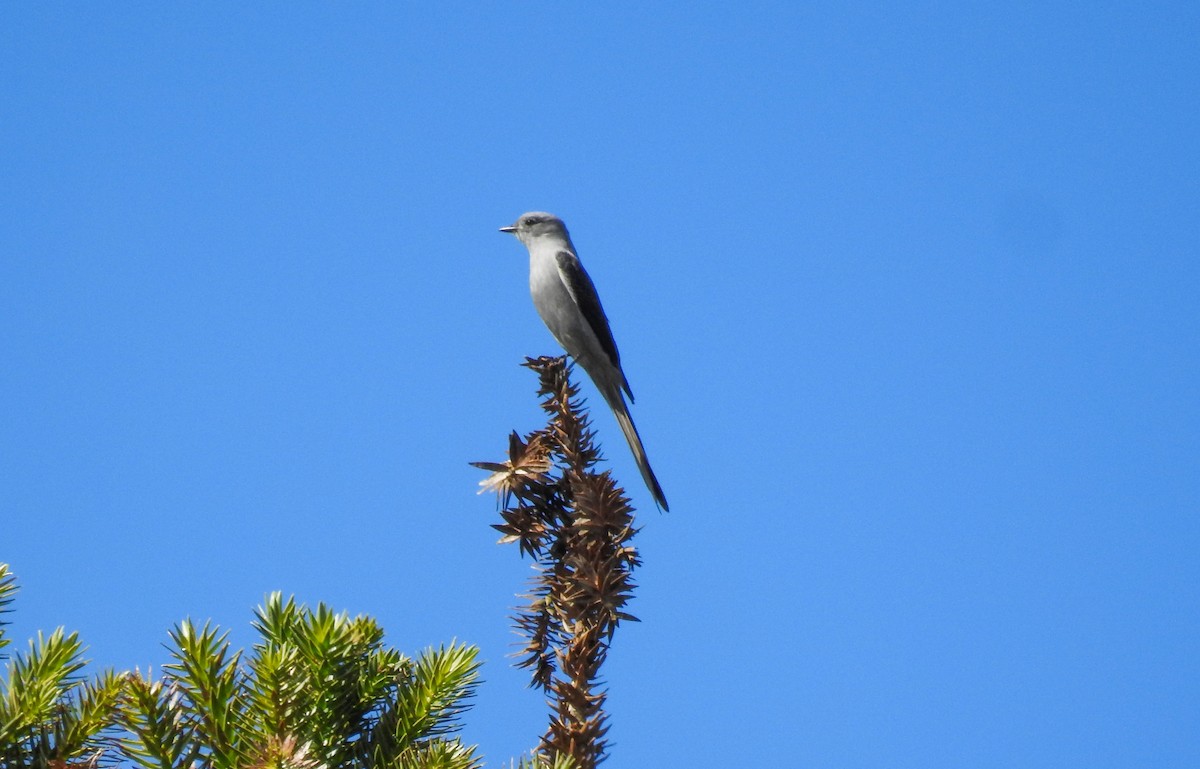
x=583 y=291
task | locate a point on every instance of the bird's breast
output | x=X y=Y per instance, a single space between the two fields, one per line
x=557 y=307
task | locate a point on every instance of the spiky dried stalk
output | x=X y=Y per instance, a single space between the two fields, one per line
x=577 y=525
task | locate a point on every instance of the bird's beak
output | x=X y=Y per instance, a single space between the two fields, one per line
x=509 y=228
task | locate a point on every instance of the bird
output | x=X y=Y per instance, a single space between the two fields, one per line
x=567 y=302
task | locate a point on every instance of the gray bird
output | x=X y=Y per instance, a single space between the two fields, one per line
x=567 y=301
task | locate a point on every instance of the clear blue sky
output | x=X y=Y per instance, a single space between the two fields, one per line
x=907 y=294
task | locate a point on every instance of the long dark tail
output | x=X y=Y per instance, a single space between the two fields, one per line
x=621 y=410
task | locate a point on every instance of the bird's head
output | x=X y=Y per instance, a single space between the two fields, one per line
x=535 y=224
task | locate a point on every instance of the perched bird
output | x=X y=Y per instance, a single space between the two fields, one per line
x=567 y=301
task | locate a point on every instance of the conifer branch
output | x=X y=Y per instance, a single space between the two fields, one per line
x=577 y=525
